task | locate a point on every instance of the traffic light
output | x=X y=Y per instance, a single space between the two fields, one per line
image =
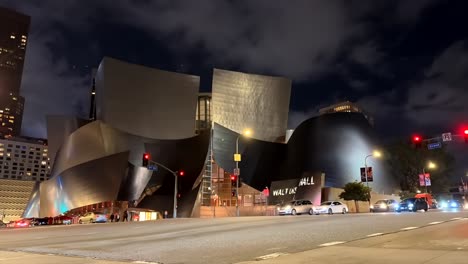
x=146 y=158
x=465 y=135
x=417 y=141
x=233 y=181
x=181 y=173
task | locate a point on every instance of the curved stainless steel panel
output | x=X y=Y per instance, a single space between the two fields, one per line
x=58 y=129
x=335 y=144
x=249 y=101
x=146 y=102
x=33 y=206
x=88 y=183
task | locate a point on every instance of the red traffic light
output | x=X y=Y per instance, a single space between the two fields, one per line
x=146 y=156
x=233 y=177
x=416 y=138
x=465 y=132
x=181 y=173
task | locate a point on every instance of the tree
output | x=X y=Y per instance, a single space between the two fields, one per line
x=356 y=191
x=407 y=162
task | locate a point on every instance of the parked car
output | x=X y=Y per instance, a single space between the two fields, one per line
x=25 y=222
x=93 y=217
x=331 y=207
x=413 y=205
x=386 y=205
x=296 y=207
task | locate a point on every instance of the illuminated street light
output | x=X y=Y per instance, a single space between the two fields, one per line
x=377 y=154
x=237 y=158
x=431 y=165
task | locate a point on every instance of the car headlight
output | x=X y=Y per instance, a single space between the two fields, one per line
x=397 y=206
x=443 y=205
x=384 y=206
x=453 y=204
x=372 y=206
x=410 y=205
x=466 y=206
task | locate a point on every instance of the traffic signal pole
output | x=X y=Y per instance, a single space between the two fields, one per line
x=174 y=173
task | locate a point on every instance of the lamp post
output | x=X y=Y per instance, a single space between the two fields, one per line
x=430 y=165
x=237 y=158
x=376 y=154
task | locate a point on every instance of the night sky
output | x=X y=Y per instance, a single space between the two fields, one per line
x=406 y=62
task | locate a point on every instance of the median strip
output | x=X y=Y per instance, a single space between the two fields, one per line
x=375 y=234
x=270 y=256
x=332 y=243
x=409 y=228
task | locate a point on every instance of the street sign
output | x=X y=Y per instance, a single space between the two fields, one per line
x=447 y=137
x=153 y=167
x=434 y=145
x=236 y=171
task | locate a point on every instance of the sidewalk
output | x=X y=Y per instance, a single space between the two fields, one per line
x=23 y=257
x=354 y=255
x=440 y=243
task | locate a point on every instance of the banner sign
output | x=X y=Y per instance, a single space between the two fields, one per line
x=370 y=175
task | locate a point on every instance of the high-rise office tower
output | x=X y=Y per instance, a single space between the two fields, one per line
x=14 y=29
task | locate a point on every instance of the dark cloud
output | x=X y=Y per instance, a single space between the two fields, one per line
x=442 y=96
x=301 y=39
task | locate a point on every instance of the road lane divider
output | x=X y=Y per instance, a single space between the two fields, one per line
x=409 y=228
x=456 y=218
x=271 y=256
x=332 y=243
x=146 y=262
x=375 y=234
x=434 y=223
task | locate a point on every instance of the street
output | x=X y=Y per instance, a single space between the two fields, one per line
x=222 y=240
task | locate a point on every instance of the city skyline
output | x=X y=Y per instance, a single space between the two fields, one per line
x=381 y=56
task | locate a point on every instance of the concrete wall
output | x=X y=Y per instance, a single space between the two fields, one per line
x=331 y=194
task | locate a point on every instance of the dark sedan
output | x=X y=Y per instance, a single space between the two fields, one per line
x=412 y=205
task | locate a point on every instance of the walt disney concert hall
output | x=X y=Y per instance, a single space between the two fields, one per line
x=137 y=110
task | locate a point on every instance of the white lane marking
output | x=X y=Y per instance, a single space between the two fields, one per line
x=409 y=228
x=145 y=262
x=434 y=223
x=270 y=256
x=331 y=243
x=456 y=218
x=375 y=234
x=91 y=233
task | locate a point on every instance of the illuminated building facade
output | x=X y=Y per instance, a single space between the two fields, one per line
x=346 y=107
x=203 y=115
x=14 y=28
x=24 y=159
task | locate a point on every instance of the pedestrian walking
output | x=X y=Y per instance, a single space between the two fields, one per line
x=125 y=216
x=112 y=218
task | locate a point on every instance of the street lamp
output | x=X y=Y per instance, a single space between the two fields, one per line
x=237 y=159
x=376 y=154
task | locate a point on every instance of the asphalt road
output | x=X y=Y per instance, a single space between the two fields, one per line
x=222 y=240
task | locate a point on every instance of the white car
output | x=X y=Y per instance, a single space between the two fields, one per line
x=331 y=207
